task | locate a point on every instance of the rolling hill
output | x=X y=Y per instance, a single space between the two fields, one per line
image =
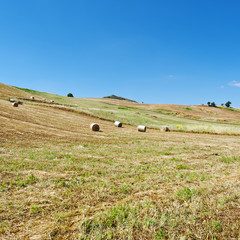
x=60 y=180
x=199 y=118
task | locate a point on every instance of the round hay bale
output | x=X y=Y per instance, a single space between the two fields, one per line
x=20 y=102
x=118 y=124
x=165 y=129
x=15 y=104
x=141 y=128
x=32 y=97
x=95 y=127
x=11 y=100
x=44 y=99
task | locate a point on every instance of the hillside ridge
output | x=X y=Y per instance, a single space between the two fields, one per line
x=198 y=118
x=119 y=98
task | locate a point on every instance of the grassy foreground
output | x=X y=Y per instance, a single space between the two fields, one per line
x=167 y=186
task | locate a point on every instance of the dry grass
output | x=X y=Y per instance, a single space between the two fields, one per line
x=7 y=92
x=177 y=117
x=60 y=180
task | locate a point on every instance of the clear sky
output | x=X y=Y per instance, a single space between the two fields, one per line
x=155 y=51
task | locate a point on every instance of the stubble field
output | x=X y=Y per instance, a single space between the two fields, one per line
x=59 y=180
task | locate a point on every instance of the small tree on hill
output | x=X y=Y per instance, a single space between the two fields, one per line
x=70 y=95
x=213 y=104
x=228 y=103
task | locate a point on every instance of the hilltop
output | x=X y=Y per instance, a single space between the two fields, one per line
x=119 y=98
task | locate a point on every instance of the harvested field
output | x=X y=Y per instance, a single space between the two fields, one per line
x=60 y=180
x=177 y=117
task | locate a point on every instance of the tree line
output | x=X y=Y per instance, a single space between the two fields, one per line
x=213 y=104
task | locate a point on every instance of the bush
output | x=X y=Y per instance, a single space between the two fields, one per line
x=211 y=104
x=228 y=103
x=70 y=95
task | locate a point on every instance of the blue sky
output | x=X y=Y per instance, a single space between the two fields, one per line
x=156 y=51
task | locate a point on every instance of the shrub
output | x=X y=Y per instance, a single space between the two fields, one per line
x=211 y=104
x=228 y=103
x=70 y=95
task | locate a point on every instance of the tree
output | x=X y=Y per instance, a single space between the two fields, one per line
x=213 y=104
x=70 y=95
x=228 y=103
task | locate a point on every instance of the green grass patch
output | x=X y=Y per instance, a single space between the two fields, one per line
x=180 y=166
x=27 y=90
x=185 y=194
x=230 y=159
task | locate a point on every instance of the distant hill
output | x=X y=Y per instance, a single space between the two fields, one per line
x=119 y=98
